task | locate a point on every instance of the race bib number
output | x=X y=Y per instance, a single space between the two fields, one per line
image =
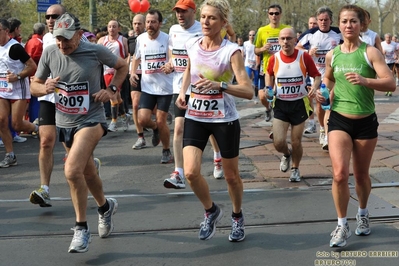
x=72 y=98
x=154 y=62
x=290 y=87
x=210 y=105
x=180 y=60
x=251 y=63
x=5 y=86
x=275 y=46
x=321 y=58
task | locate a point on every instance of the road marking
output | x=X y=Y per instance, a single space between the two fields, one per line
x=392 y=118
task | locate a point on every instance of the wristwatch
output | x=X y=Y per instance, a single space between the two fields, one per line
x=223 y=86
x=18 y=77
x=113 y=88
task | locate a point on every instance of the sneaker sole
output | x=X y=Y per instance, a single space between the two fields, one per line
x=168 y=184
x=8 y=165
x=362 y=234
x=214 y=226
x=294 y=180
x=165 y=162
x=236 y=240
x=80 y=250
x=138 y=147
x=34 y=198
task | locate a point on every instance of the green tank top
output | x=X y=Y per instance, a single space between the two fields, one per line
x=349 y=98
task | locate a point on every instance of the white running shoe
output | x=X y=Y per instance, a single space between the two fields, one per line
x=112 y=127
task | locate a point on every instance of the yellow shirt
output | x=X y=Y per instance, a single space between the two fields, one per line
x=267 y=34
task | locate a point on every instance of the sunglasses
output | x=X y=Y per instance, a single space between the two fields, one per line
x=274 y=13
x=286 y=38
x=251 y=34
x=53 y=16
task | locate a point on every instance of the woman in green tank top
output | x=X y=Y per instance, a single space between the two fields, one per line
x=351 y=71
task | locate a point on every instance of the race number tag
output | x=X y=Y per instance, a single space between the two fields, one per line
x=251 y=63
x=5 y=86
x=72 y=98
x=210 y=105
x=321 y=58
x=154 y=62
x=275 y=46
x=180 y=59
x=289 y=88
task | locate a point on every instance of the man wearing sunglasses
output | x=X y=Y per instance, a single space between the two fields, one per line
x=266 y=44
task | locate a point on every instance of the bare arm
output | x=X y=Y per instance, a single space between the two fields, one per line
x=125 y=47
x=385 y=80
x=133 y=76
x=181 y=99
x=378 y=44
x=29 y=70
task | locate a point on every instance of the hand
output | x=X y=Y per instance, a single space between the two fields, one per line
x=267 y=46
x=205 y=85
x=167 y=68
x=355 y=78
x=102 y=96
x=11 y=77
x=51 y=84
x=312 y=51
x=134 y=80
x=181 y=102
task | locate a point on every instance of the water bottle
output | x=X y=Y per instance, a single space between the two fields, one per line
x=326 y=94
x=270 y=94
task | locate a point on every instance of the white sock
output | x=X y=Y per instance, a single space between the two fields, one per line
x=362 y=212
x=46 y=188
x=342 y=221
x=180 y=170
x=217 y=155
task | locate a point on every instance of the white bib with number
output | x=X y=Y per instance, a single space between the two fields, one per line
x=5 y=86
x=72 y=98
x=210 y=105
x=290 y=78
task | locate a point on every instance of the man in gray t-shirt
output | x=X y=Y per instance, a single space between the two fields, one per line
x=75 y=68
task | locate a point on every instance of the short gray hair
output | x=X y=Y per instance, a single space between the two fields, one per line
x=38 y=28
x=324 y=9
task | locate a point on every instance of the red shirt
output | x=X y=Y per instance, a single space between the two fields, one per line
x=34 y=47
x=309 y=63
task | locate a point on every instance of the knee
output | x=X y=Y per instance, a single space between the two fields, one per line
x=17 y=125
x=72 y=174
x=143 y=121
x=232 y=179
x=296 y=143
x=362 y=180
x=279 y=145
x=341 y=179
x=47 y=141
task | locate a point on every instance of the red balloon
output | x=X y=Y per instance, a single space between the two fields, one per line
x=144 y=6
x=134 y=6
